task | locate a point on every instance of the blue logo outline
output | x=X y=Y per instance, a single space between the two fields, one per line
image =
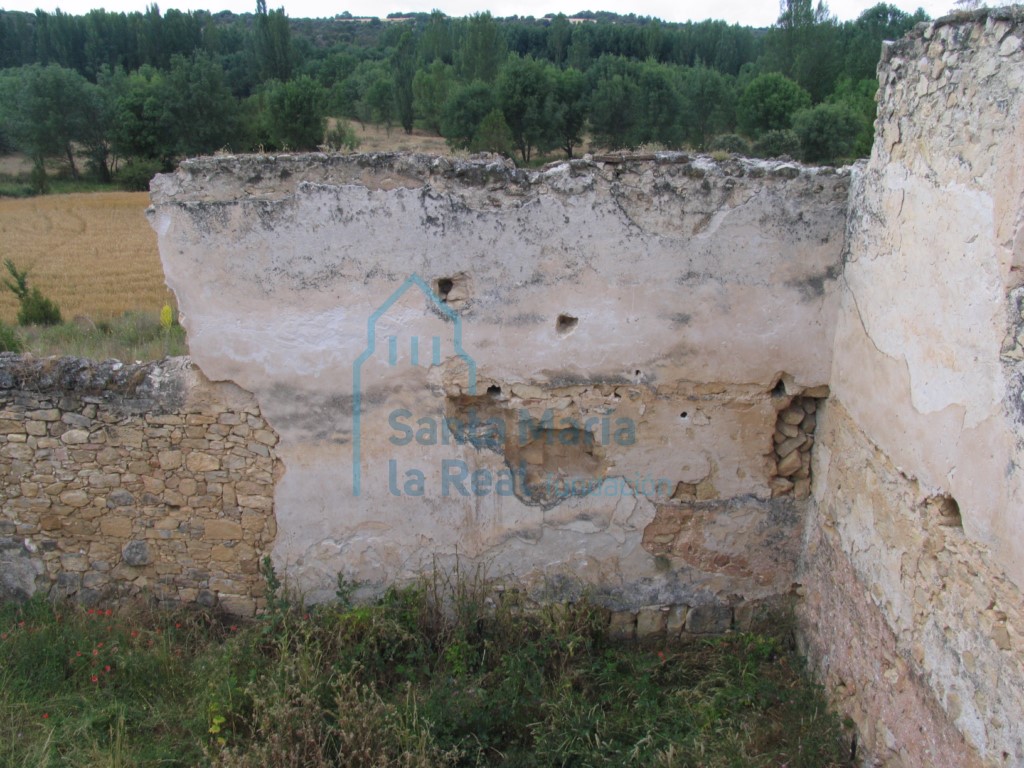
x=371 y=346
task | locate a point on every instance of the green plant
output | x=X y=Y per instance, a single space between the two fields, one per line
x=342 y=137
x=730 y=142
x=135 y=175
x=35 y=308
x=9 y=341
x=777 y=144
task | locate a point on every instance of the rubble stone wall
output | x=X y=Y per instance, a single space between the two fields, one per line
x=119 y=480
x=914 y=560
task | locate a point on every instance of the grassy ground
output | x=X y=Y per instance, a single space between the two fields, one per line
x=424 y=677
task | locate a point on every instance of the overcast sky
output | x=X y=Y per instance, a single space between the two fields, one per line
x=758 y=13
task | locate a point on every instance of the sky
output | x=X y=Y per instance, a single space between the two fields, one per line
x=757 y=13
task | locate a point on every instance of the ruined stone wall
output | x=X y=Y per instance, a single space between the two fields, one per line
x=599 y=376
x=123 y=480
x=914 y=560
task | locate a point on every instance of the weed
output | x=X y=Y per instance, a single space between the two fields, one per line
x=448 y=671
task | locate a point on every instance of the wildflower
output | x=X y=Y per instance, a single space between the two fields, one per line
x=91 y=611
x=46 y=715
x=110 y=612
x=177 y=625
x=99 y=645
x=135 y=633
x=95 y=652
x=661 y=655
x=78 y=653
x=232 y=628
x=95 y=678
x=3 y=636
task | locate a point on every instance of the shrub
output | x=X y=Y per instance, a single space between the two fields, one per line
x=777 y=144
x=828 y=132
x=342 y=137
x=35 y=308
x=9 y=341
x=730 y=142
x=136 y=175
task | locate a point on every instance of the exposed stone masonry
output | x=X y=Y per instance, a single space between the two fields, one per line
x=118 y=480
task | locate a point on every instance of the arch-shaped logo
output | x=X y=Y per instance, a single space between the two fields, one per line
x=429 y=353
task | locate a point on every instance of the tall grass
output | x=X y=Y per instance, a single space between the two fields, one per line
x=436 y=674
x=132 y=336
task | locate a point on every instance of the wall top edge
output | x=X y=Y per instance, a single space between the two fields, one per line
x=225 y=178
x=92 y=378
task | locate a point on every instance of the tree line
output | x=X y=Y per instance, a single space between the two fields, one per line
x=130 y=93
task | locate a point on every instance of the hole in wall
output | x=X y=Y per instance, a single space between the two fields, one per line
x=444 y=287
x=948 y=510
x=566 y=324
x=779 y=390
x=684 y=415
x=453 y=290
x=494 y=390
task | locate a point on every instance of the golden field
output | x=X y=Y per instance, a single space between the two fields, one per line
x=93 y=253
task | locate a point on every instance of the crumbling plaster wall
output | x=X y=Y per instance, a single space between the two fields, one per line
x=638 y=324
x=914 y=560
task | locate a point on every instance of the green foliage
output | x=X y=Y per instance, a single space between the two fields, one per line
x=730 y=142
x=9 y=341
x=525 y=96
x=431 y=87
x=37 y=309
x=777 y=143
x=132 y=336
x=464 y=111
x=447 y=671
x=342 y=137
x=105 y=88
x=493 y=135
x=296 y=114
x=33 y=307
x=828 y=132
x=135 y=175
x=768 y=103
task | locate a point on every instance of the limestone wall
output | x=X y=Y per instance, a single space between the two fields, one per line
x=581 y=377
x=120 y=480
x=914 y=560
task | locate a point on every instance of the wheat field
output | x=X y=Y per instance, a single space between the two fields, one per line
x=94 y=253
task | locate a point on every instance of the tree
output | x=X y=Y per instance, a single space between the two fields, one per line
x=273 y=43
x=464 y=111
x=431 y=88
x=403 y=70
x=483 y=49
x=493 y=135
x=659 y=106
x=769 y=103
x=613 y=112
x=44 y=111
x=297 y=119
x=525 y=97
x=200 y=113
x=828 y=132
x=709 y=106
x=568 y=107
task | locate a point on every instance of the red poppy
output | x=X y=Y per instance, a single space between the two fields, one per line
x=95 y=679
x=110 y=612
x=46 y=715
x=107 y=668
x=135 y=633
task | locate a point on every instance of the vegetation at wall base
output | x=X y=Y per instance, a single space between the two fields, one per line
x=434 y=674
x=132 y=336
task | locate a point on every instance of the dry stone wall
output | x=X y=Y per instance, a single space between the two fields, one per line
x=121 y=480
